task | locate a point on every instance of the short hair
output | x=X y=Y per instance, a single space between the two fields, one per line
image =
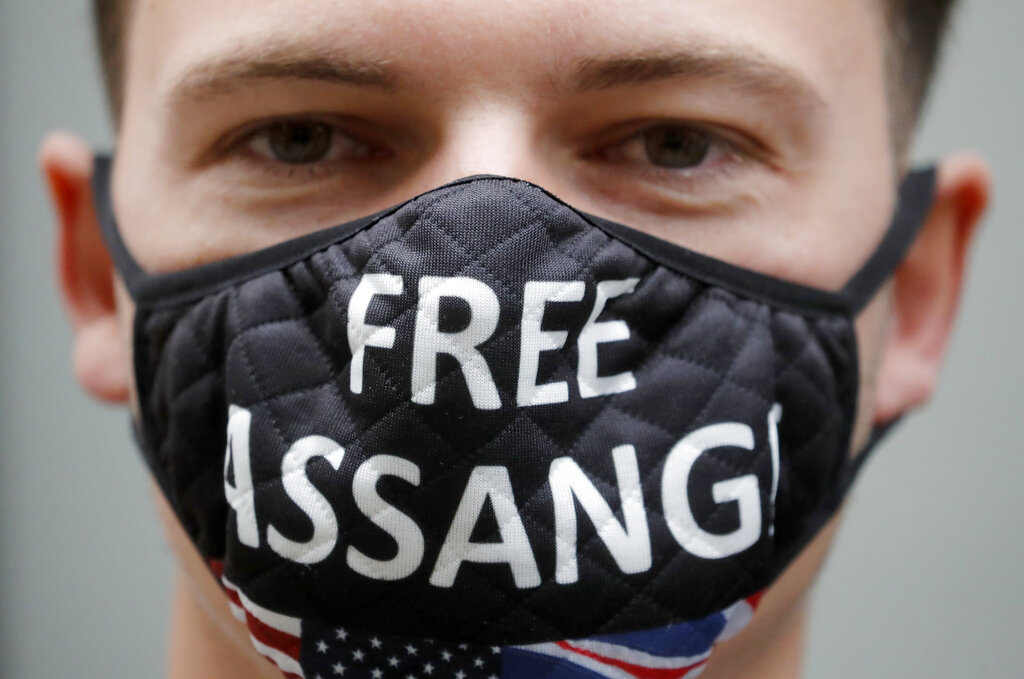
x=916 y=32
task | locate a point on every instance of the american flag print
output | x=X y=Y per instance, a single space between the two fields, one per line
x=277 y=637
x=305 y=650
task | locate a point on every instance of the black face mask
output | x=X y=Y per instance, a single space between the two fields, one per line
x=486 y=419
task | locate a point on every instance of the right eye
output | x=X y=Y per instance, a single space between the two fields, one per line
x=306 y=142
x=677 y=147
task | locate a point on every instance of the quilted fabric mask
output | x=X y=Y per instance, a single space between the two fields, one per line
x=485 y=434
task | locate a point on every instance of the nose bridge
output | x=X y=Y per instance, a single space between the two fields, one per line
x=489 y=134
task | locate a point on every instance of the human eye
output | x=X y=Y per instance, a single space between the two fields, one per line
x=670 y=168
x=674 y=151
x=315 y=147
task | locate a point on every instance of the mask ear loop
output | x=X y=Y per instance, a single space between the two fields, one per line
x=848 y=472
x=126 y=265
x=851 y=469
x=916 y=196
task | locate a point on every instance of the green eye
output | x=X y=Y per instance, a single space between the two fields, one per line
x=298 y=142
x=676 y=147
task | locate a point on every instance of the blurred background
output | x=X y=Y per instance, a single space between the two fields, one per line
x=924 y=581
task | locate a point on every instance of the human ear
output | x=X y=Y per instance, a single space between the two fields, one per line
x=926 y=289
x=84 y=269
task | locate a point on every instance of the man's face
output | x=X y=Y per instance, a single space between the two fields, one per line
x=754 y=131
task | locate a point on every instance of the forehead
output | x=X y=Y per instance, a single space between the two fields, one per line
x=436 y=45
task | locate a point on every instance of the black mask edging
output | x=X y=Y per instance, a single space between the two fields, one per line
x=170 y=289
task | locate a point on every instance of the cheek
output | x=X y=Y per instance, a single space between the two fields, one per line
x=872 y=329
x=125 y=319
x=775 y=637
x=202 y=603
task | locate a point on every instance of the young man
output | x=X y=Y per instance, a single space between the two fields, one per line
x=768 y=135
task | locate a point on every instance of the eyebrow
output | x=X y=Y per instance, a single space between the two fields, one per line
x=739 y=67
x=742 y=68
x=224 y=75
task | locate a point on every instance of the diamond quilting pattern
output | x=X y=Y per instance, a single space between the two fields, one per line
x=278 y=346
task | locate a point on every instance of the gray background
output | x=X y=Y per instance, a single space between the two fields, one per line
x=925 y=580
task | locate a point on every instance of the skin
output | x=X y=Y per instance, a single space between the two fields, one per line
x=799 y=183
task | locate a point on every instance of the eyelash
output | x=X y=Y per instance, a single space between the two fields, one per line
x=239 y=146
x=730 y=149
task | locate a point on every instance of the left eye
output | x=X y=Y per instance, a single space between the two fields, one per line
x=299 y=142
x=670 y=147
